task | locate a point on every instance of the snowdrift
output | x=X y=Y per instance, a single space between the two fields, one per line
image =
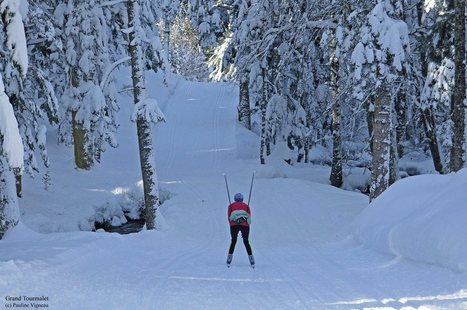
x=423 y=218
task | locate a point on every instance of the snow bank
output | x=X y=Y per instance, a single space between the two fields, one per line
x=422 y=218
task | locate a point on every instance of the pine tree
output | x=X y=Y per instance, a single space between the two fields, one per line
x=186 y=58
x=244 y=109
x=207 y=18
x=42 y=84
x=31 y=114
x=14 y=67
x=93 y=111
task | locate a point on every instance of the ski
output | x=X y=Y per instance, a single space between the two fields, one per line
x=252 y=261
x=229 y=260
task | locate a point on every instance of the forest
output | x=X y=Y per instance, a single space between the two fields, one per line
x=369 y=81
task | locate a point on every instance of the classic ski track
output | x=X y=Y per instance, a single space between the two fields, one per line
x=160 y=275
x=217 y=108
x=171 y=149
x=291 y=284
x=175 y=263
x=219 y=138
x=189 y=256
x=215 y=129
x=169 y=130
x=312 y=278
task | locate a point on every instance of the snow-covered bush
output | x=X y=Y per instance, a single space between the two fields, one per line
x=127 y=205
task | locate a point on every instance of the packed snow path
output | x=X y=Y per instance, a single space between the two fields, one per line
x=300 y=235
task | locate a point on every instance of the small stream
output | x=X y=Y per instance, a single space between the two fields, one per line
x=132 y=226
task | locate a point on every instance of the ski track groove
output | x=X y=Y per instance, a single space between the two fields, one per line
x=291 y=285
x=171 y=269
x=297 y=267
x=216 y=131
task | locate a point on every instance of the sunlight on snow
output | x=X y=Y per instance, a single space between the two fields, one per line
x=462 y=294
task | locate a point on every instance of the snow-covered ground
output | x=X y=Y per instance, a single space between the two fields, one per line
x=303 y=231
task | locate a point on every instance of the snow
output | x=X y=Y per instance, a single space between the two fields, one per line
x=12 y=143
x=302 y=235
x=382 y=39
x=429 y=5
x=149 y=110
x=15 y=31
x=358 y=58
x=410 y=220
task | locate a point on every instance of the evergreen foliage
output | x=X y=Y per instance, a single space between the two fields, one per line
x=365 y=81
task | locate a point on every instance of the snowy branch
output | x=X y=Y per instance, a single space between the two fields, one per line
x=110 y=69
x=12 y=143
x=111 y=3
x=148 y=110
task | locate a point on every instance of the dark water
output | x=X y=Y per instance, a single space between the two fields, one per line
x=132 y=226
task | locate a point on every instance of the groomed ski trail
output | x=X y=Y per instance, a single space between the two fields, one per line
x=305 y=258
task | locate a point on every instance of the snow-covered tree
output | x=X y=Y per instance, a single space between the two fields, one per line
x=11 y=157
x=209 y=19
x=146 y=113
x=170 y=9
x=440 y=22
x=186 y=57
x=89 y=108
x=44 y=81
x=380 y=58
x=13 y=66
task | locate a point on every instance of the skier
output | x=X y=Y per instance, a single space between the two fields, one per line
x=239 y=216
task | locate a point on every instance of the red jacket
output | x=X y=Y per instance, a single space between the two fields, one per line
x=238 y=206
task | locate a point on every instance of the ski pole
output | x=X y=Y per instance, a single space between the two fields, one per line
x=227 y=187
x=251 y=187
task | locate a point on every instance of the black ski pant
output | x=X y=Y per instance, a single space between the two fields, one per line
x=245 y=233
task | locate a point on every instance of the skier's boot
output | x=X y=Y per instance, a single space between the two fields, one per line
x=229 y=259
x=252 y=260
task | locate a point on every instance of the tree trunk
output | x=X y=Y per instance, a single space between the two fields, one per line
x=263 y=107
x=9 y=213
x=457 y=104
x=428 y=119
x=18 y=181
x=336 y=178
x=394 y=156
x=244 y=114
x=336 y=167
x=82 y=150
x=381 y=142
x=401 y=114
x=146 y=151
x=309 y=125
x=370 y=116
x=167 y=34
x=430 y=131
x=166 y=43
